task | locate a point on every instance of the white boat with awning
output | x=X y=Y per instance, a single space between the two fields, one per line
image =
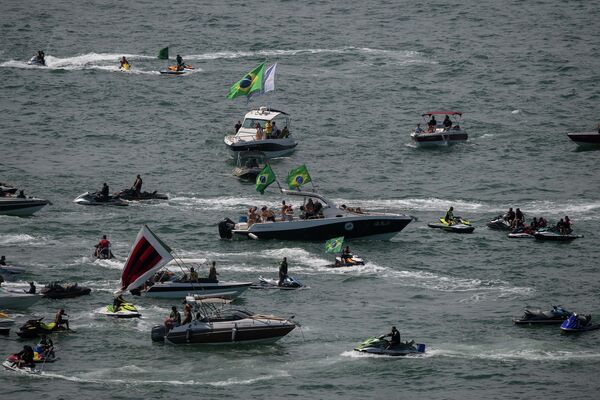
x=279 y=143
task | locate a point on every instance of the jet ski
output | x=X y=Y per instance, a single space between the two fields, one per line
x=578 y=323
x=35 y=327
x=538 y=317
x=10 y=365
x=289 y=283
x=381 y=346
x=125 y=67
x=96 y=199
x=347 y=262
x=55 y=290
x=172 y=70
x=36 y=61
x=38 y=356
x=125 y=310
x=459 y=226
x=131 y=195
x=522 y=233
x=555 y=236
x=498 y=223
x=104 y=254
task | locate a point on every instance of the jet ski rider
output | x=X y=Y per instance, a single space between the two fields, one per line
x=347 y=256
x=104 y=192
x=118 y=302
x=137 y=185
x=103 y=246
x=394 y=337
x=449 y=217
x=283 y=271
x=25 y=357
x=180 y=63
x=41 y=57
x=60 y=321
x=124 y=62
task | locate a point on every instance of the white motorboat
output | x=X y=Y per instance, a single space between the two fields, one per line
x=148 y=255
x=279 y=144
x=216 y=325
x=15 y=300
x=438 y=134
x=21 y=207
x=327 y=222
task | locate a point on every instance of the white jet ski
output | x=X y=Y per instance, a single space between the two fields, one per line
x=9 y=365
x=289 y=283
x=96 y=199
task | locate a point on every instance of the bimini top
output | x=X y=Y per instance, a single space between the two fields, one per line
x=442 y=113
x=325 y=200
x=265 y=114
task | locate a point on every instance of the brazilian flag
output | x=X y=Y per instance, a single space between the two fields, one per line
x=334 y=245
x=252 y=82
x=298 y=177
x=264 y=179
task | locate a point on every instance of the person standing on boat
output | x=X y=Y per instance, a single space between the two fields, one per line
x=187 y=313
x=137 y=185
x=449 y=217
x=283 y=271
x=268 y=129
x=238 y=126
x=259 y=131
x=276 y=131
x=212 y=272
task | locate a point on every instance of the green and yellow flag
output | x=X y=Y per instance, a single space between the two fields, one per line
x=264 y=179
x=298 y=177
x=252 y=82
x=334 y=245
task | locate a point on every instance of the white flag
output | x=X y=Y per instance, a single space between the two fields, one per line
x=269 y=79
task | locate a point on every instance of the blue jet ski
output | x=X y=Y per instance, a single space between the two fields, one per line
x=578 y=323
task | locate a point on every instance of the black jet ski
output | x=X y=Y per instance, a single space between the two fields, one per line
x=104 y=254
x=578 y=323
x=381 y=346
x=55 y=290
x=35 y=327
x=131 y=195
x=539 y=317
x=289 y=283
x=555 y=236
x=347 y=262
x=460 y=225
x=96 y=199
x=498 y=223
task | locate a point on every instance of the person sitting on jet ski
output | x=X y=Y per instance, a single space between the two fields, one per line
x=449 y=217
x=103 y=246
x=519 y=216
x=180 y=64
x=25 y=357
x=137 y=185
x=559 y=226
x=542 y=223
x=117 y=302
x=566 y=227
x=123 y=61
x=394 y=337
x=41 y=57
x=347 y=256
x=104 y=192
x=47 y=346
x=283 y=271
x=60 y=321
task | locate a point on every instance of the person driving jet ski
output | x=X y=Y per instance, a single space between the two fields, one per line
x=394 y=337
x=449 y=217
x=347 y=256
x=104 y=192
x=41 y=57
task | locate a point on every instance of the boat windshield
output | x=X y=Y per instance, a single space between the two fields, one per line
x=281 y=122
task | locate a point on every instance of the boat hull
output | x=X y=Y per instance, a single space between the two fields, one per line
x=270 y=147
x=367 y=227
x=17 y=301
x=585 y=138
x=256 y=334
x=439 y=138
x=176 y=290
x=21 y=207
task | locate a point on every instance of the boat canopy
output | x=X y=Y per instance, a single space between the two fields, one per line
x=265 y=114
x=442 y=113
x=301 y=193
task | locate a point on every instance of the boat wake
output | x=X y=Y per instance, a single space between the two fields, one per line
x=514 y=355
x=22 y=238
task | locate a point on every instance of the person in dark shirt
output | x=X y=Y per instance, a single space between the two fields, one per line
x=137 y=185
x=394 y=336
x=104 y=192
x=449 y=217
x=283 y=271
x=238 y=126
x=212 y=272
x=180 y=63
x=3 y=260
x=25 y=357
x=509 y=216
x=447 y=123
x=432 y=124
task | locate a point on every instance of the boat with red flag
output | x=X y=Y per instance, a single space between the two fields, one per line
x=443 y=132
x=142 y=273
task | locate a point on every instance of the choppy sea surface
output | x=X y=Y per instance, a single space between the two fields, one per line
x=355 y=76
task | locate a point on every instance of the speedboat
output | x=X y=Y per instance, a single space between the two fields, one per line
x=459 y=226
x=215 y=324
x=332 y=221
x=148 y=255
x=499 y=223
x=96 y=199
x=21 y=207
x=245 y=138
x=14 y=299
x=585 y=138
x=35 y=327
x=55 y=290
x=131 y=195
x=249 y=164
x=125 y=310
x=539 y=317
x=439 y=135
x=555 y=236
x=381 y=346
x=578 y=323
x=289 y=283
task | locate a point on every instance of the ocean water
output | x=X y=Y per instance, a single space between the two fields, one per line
x=355 y=76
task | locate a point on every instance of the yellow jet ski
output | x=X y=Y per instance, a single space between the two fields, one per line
x=457 y=225
x=125 y=67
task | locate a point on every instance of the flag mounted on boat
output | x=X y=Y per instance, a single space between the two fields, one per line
x=264 y=179
x=298 y=177
x=334 y=245
x=163 y=54
x=148 y=255
x=252 y=82
x=269 y=79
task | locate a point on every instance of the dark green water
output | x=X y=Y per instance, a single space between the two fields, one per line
x=355 y=77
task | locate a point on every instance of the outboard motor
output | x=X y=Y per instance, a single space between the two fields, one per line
x=225 y=228
x=158 y=333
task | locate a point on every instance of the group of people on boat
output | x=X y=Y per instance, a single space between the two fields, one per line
x=269 y=131
x=432 y=125
x=193 y=276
